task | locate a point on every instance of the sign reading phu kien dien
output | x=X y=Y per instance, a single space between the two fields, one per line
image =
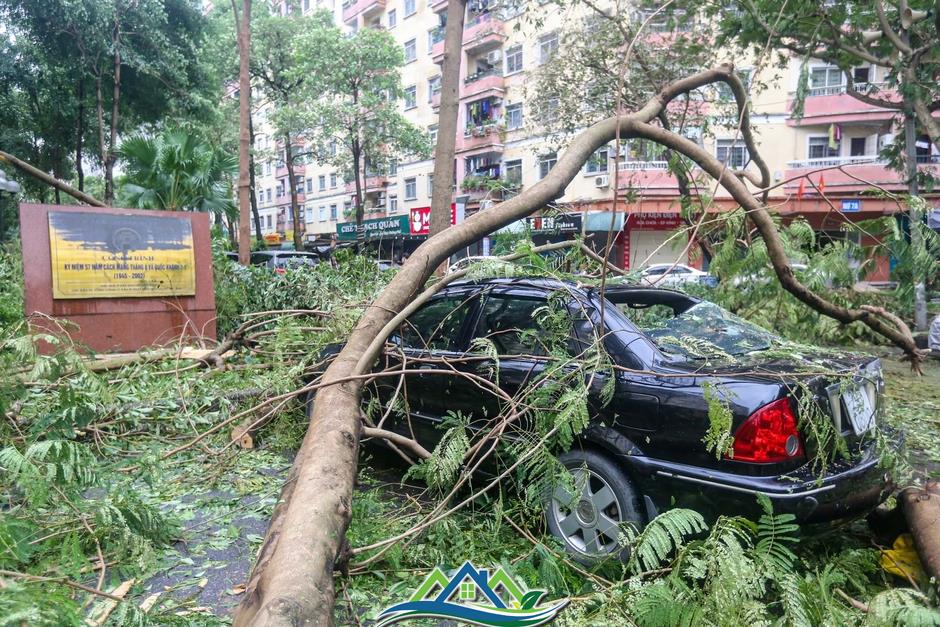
x=100 y=255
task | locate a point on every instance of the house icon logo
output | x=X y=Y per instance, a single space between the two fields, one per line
x=474 y=596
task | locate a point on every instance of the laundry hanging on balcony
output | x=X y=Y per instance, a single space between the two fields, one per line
x=835 y=136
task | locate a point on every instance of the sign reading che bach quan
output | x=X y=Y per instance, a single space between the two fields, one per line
x=121 y=279
x=120 y=255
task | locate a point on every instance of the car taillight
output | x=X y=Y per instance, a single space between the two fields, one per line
x=768 y=435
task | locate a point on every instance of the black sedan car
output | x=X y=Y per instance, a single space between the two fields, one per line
x=644 y=451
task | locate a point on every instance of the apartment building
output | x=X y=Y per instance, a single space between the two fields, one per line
x=500 y=140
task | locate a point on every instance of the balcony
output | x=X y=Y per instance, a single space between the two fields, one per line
x=437 y=52
x=494 y=188
x=365 y=8
x=486 y=136
x=437 y=5
x=482 y=33
x=281 y=171
x=484 y=83
x=628 y=166
x=371 y=184
x=831 y=105
x=436 y=101
x=850 y=174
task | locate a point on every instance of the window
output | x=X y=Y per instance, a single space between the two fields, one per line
x=392 y=204
x=322 y=213
x=513 y=173
x=823 y=147
x=512 y=325
x=309 y=185
x=411 y=189
x=411 y=97
x=392 y=18
x=437 y=325
x=599 y=162
x=434 y=35
x=861 y=75
x=268 y=193
x=548 y=45
x=432 y=134
x=267 y=220
x=826 y=79
x=430 y=185
x=548 y=110
x=725 y=93
x=857 y=147
x=732 y=153
x=410 y=7
x=411 y=51
x=392 y=168
x=546 y=163
x=322 y=182
x=434 y=87
x=514 y=116
x=514 y=59
x=333 y=180
x=332 y=212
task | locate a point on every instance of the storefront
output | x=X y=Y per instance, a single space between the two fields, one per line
x=652 y=238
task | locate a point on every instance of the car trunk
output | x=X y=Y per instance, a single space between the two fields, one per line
x=843 y=390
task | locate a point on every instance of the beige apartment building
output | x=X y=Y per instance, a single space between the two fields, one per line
x=500 y=139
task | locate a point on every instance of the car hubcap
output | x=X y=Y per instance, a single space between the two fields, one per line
x=590 y=519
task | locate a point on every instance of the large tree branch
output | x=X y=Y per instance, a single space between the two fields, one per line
x=36 y=173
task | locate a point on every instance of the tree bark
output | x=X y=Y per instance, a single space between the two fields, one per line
x=292 y=582
x=244 y=114
x=115 y=113
x=444 y=166
x=357 y=178
x=294 y=206
x=253 y=190
x=26 y=168
x=80 y=133
x=921 y=508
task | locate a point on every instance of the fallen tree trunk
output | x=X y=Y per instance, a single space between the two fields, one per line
x=921 y=507
x=292 y=582
x=36 y=173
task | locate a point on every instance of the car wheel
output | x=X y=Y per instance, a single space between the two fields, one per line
x=588 y=523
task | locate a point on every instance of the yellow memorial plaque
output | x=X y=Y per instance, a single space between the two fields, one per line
x=103 y=255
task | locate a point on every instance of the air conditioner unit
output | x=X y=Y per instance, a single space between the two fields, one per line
x=885 y=140
x=494 y=56
x=602 y=181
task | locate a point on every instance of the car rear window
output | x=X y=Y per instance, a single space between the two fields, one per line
x=702 y=331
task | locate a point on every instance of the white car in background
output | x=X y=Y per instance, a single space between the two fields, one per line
x=675 y=275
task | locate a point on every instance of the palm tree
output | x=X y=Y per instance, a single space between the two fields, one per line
x=176 y=171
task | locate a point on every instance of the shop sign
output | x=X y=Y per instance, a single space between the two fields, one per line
x=565 y=223
x=374 y=229
x=113 y=255
x=655 y=221
x=420 y=219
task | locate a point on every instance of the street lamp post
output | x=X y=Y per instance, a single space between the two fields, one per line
x=9 y=187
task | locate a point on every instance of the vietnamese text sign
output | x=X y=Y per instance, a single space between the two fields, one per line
x=107 y=255
x=374 y=228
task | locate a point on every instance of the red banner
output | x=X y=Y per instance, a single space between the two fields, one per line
x=420 y=220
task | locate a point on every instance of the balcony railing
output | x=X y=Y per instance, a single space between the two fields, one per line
x=642 y=165
x=493 y=71
x=828 y=162
x=835 y=90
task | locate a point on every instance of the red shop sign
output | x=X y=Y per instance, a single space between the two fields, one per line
x=420 y=222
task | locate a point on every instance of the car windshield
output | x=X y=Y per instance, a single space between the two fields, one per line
x=705 y=330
